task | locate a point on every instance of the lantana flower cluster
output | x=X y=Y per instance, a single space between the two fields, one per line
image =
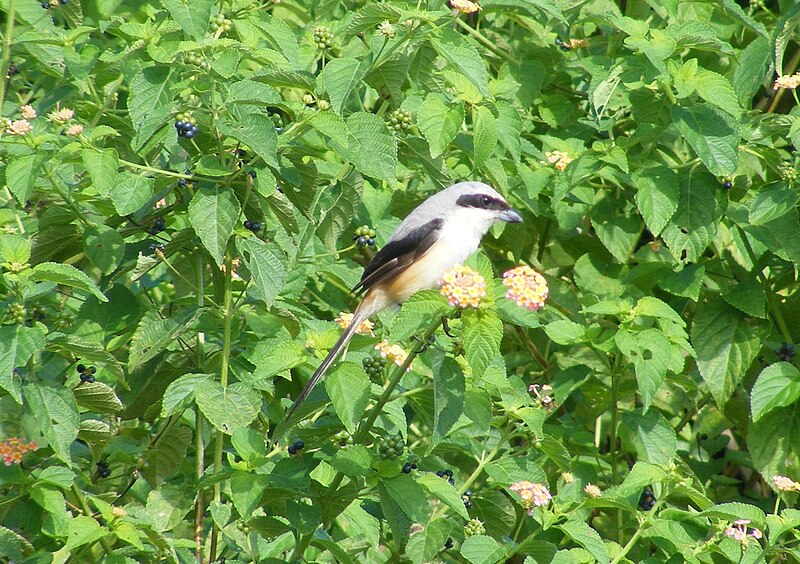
x=559 y=159
x=533 y=495
x=526 y=287
x=543 y=395
x=392 y=353
x=784 y=484
x=13 y=448
x=462 y=286
x=364 y=328
x=787 y=82
x=465 y=6
x=739 y=531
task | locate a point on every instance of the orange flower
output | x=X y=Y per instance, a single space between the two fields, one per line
x=462 y=286
x=13 y=448
x=393 y=353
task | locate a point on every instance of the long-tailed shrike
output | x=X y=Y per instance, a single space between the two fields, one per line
x=441 y=232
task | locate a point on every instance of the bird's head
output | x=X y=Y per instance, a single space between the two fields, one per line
x=480 y=204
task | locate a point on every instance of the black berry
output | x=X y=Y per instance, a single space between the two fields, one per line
x=727 y=184
x=407 y=468
x=647 y=499
x=81 y=368
x=296 y=446
x=183 y=183
x=449 y=544
x=252 y=225
x=785 y=352
x=561 y=45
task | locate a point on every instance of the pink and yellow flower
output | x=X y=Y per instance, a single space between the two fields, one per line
x=12 y=449
x=364 y=328
x=393 y=353
x=532 y=495
x=526 y=287
x=462 y=286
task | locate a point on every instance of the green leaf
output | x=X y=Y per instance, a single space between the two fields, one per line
x=339 y=77
x=483 y=332
x=97 y=397
x=448 y=399
x=265 y=266
x=353 y=460
x=416 y=313
x=167 y=455
x=22 y=173
x=773 y=201
x=747 y=296
x=653 y=307
x=274 y=356
x=565 y=332
x=246 y=491
x=753 y=68
x=778 y=385
x=735 y=510
x=508 y=470
x=229 y=408
x=249 y=444
x=485 y=134
x=408 y=495
x=213 y=213
x=104 y=247
x=725 y=346
x=348 y=387
x=658 y=191
x=774 y=441
x=131 y=192
x=650 y=352
x=180 y=393
x=153 y=336
x=371 y=147
x=482 y=549
x=193 y=17
x=150 y=102
x=443 y=491
x=462 y=54
x=695 y=224
x=339 y=215
x=713 y=135
x=102 y=168
x=439 y=122
x=257 y=132
x=66 y=275
x=425 y=544
x=18 y=344
x=55 y=410
x=781 y=35
x=83 y=530
x=167 y=506
x=587 y=537
x=331 y=125
x=651 y=435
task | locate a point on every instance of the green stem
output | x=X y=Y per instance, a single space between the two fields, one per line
x=6 y=56
x=643 y=527
x=88 y=512
x=486 y=42
x=362 y=433
x=773 y=304
x=70 y=203
x=223 y=380
x=112 y=89
x=199 y=443
x=613 y=436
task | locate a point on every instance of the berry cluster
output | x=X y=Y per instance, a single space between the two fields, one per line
x=196 y=60
x=157 y=247
x=157 y=226
x=102 y=469
x=399 y=120
x=343 y=438
x=467 y=499
x=17 y=313
x=277 y=119
x=785 y=352
x=87 y=374
x=185 y=182
x=561 y=45
x=323 y=37
x=221 y=22
x=186 y=125
x=447 y=474
x=296 y=446
x=374 y=365
x=408 y=467
x=253 y=226
x=391 y=447
x=474 y=527
x=364 y=236
x=647 y=499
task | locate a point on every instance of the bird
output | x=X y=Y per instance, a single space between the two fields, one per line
x=439 y=233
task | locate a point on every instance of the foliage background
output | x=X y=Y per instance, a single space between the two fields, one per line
x=669 y=242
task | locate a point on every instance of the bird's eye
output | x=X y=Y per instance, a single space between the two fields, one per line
x=486 y=201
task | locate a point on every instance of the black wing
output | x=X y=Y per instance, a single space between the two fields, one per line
x=396 y=256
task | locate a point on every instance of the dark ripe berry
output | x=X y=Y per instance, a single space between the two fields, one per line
x=189 y=134
x=449 y=544
x=252 y=174
x=647 y=499
x=785 y=352
x=561 y=45
x=291 y=449
x=727 y=184
x=183 y=183
x=252 y=225
x=157 y=247
x=448 y=473
x=362 y=241
x=92 y=370
x=298 y=444
x=84 y=377
x=440 y=473
x=46 y=5
x=104 y=473
x=80 y=368
x=12 y=70
x=371 y=242
x=703 y=437
x=407 y=468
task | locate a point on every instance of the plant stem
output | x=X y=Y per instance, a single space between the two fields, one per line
x=88 y=512
x=363 y=432
x=223 y=380
x=199 y=443
x=11 y=14
x=613 y=436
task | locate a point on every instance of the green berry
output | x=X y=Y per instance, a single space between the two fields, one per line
x=474 y=527
x=399 y=120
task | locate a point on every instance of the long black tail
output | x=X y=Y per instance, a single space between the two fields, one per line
x=359 y=316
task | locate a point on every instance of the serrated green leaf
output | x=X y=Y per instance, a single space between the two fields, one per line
x=265 y=265
x=167 y=454
x=339 y=215
x=229 y=408
x=153 y=336
x=22 y=173
x=249 y=444
x=772 y=202
x=339 y=78
x=353 y=460
x=713 y=135
x=484 y=136
x=448 y=399
x=213 y=213
x=483 y=332
x=424 y=545
x=587 y=537
x=331 y=125
x=371 y=147
x=736 y=510
x=257 y=131
x=508 y=470
x=409 y=496
x=649 y=350
x=651 y=435
x=66 y=275
x=415 y=313
x=104 y=247
x=778 y=385
x=462 y=54
x=274 y=356
x=725 y=346
x=17 y=345
x=97 y=397
x=246 y=491
x=657 y=195
x=193 y=17
x=131 y=192
x=56 y=412
x=348 y=387
x=695 y=223
x=439 y=122
x=442 y=490
x=180 y=393
x=482 y=549
x=565 y=332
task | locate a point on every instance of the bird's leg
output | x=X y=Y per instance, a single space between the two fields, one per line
x=446 y=327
